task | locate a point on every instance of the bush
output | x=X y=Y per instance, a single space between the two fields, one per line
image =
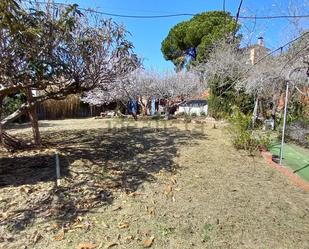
x=297 y=110
x=222 y=98
x=13 y=103
x=193 y=115
x=203 y=114
x=241 y=134
x=218 y=108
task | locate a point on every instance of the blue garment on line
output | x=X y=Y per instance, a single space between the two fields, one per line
x=153 y=106
x=132 y=106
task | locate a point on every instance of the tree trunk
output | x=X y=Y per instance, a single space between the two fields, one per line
x=167 y=110
x=144 y=107
x=255 y=112
x=91 y=110
x=273 y=111
x=33 y=118
x=14 y=115
x=275 y=102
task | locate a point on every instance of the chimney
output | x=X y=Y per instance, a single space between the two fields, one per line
x=261 y=41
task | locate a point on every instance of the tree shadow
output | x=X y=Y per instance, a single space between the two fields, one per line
x=94 y=165
x=29 y=169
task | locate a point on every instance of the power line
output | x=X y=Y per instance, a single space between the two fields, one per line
x=188 y=14
x=169 y=15
x=238 y=11
x=112 y=14
x=144 y=11
x=281 y=47
x=263 y=58
x=274 y=17
x=237 y=18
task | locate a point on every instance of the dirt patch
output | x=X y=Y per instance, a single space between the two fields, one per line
x=147 y=183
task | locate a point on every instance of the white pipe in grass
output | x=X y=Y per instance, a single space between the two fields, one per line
x=57 y=169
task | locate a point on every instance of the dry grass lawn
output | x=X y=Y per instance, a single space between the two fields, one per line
x=143 y=184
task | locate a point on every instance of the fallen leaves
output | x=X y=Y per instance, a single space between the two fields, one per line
x=80 y=223
x=148 y=242
x=26 y=190
x=133 y=194
x=173 y=180
x=117 y=208
x=35 y=237
x=129 y=238
x=123 y=225
x=77 y=223
x=112 y=244
x=168 y=189
x=77 y=226
x=59 y=236
x=104 y=224
x=150 y=210
x=86 y=246
x=4 y=215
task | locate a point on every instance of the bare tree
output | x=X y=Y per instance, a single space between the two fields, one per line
x=142 y=84
x=71 y=52
x=230 y=65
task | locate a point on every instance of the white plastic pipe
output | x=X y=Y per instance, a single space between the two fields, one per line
x=57 y=169
x=255 y=110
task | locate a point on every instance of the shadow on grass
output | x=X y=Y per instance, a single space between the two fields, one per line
x=94 y=164
x=302 y=168
x=29 y=169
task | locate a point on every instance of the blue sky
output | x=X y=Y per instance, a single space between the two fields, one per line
x=147 y=34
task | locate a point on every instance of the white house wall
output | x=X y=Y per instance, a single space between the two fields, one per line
x=191 y=110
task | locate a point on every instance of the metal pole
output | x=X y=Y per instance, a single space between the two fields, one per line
x=255 y=111
x=284 y=121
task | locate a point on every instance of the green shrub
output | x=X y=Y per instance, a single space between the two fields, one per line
x=12 y=103
x=241 y=134
x=218 y=108
x=222 y=98
x=193 y=115
x=296 y=110
x=203 y=114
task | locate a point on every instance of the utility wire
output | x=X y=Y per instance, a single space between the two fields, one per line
x=281 y=47
x=238 y=12
x=188 y=14
x=237 y=18
x=274 y=17
x=166 y=16
x=264 y=57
